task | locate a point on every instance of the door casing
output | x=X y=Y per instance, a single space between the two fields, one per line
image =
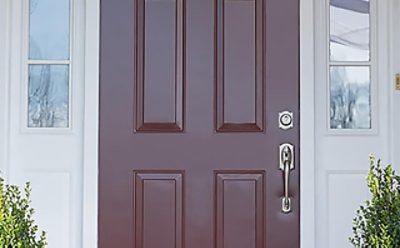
x=90 y=153
x=90 y=173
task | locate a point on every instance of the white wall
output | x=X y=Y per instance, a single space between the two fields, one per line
x=52 y=161
x=395 y=60
x=341 y=160
x=3 y=79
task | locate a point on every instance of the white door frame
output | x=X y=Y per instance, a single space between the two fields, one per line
x=4 y=77
x=90 y=169
x=90 y=177
x=91 y=125
x=307 y=116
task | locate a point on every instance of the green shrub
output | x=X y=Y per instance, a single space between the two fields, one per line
x=377 y=223
x=17 y=227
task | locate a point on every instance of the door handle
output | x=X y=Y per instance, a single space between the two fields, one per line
x=286 y=164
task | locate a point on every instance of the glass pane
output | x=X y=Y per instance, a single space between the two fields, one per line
x=350 y=103
x=48 y=96
x=49 y=29
x=349 y=30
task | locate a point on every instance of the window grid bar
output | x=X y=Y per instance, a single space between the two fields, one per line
x=350 y=63
x=49 y=62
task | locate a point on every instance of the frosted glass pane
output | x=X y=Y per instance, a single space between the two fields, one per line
x=48 y=96
x=49 y=29
x=350 y=30
x=350 y=103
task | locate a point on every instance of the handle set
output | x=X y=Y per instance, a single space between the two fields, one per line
x=286 y=164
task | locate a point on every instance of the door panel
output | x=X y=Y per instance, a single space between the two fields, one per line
x=159 y=65
x=189 y=153
x=240 y=198
x=158 y=196
x=240 y=65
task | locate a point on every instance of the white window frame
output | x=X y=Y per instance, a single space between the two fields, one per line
x=374 y=76
x=25 y=72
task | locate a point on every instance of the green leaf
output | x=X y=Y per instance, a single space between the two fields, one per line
x=17 y=227
x=377 y=221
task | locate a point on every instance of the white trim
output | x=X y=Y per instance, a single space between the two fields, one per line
x=90 y=168
x=91 y=123
x=48 y=62
x=307 y=142
x=326 y=157
x=307 y=138
x=4 y=86
x=394 y=51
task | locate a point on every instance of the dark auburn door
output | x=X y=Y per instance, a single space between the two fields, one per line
x=195 y=146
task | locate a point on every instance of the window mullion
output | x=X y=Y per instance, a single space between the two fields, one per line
x=49 y=62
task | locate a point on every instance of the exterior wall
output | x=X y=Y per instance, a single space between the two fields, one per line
x=395 y=68
x=3 y=86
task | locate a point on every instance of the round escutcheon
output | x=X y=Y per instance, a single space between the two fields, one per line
x=285 y=120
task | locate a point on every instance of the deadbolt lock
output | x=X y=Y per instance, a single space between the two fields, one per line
x=285 y=120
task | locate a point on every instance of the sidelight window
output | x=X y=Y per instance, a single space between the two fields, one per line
x=48 y=64
x=350 y=64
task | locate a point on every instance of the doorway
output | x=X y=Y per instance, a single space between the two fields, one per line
x=199 y=124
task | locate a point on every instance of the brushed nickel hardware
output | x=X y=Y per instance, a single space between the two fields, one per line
x=286 y=164
x=285 y=120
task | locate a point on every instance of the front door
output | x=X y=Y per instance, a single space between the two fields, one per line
x=191 y=138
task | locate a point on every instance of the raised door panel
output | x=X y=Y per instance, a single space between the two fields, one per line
x=158 y=209
x=239 y=85
x=240 y=209
x=160 y=60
